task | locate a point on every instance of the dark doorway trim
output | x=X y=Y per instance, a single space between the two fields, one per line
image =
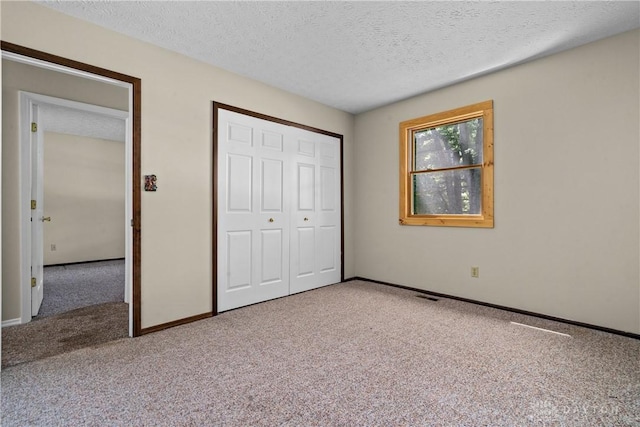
x=216 y=107
x=136 y=145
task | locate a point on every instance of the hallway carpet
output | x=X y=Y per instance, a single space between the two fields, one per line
x=352 y=354
x=67 y=287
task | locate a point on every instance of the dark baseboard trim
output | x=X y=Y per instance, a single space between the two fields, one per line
x=501 y=307
x=84 y=262
x=178 y=322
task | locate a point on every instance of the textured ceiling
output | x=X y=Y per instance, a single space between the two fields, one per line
x=82 y=123
x=356 y=56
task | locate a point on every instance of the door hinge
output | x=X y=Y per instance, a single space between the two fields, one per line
x=34 y=204
x=33 y=282
x=34 y=127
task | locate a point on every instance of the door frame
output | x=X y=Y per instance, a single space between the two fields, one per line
x=32 y=102
x=217 y=106
x=134 y=85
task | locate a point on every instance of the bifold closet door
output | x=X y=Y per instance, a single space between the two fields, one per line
x=253 y=214
x=315 y=211
x=278 y=210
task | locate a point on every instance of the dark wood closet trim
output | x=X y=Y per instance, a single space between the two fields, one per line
x=216 y=107
x=214 y=213
x=502 y=307
x=136 y=146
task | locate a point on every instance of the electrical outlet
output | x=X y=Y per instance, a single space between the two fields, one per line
x=475 y=272
x=53 y=247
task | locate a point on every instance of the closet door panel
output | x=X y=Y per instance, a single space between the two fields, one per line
x=272 y=256
x=317 y=212
x=272 y=185
x=306 y=187
x=328 y=179
x=306 y=250
x=239 y=248
x=327 y=242
x=239 y=183
x=253 y=224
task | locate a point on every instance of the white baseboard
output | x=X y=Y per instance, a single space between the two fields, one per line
x=11 y=322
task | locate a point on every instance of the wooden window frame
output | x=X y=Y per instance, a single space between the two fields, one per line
x=408 y=128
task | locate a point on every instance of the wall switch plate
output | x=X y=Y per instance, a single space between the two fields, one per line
x=475 y=271
x=53 y=247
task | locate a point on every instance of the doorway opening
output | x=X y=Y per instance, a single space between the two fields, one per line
x=22 y=243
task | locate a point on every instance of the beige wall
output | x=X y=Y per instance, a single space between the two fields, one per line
x=16 y=77
x=176 y=146
x=565 y=241
x=84 y=194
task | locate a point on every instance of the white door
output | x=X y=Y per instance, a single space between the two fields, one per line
x=253 y=215
x=279 y=213
x=37 y=214
x=316 y=217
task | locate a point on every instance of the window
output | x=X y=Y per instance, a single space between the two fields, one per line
x=446 y=168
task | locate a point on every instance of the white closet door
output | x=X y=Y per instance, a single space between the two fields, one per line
x=315 y=211
x=253 y=210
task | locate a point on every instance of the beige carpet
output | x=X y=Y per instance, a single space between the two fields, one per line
x=353 y=354
x=83 y=327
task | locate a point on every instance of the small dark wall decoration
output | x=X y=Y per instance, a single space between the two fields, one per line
x=150 y=183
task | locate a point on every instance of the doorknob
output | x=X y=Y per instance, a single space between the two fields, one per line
x=306 y=219
x=270 y=219
x=46 y=218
